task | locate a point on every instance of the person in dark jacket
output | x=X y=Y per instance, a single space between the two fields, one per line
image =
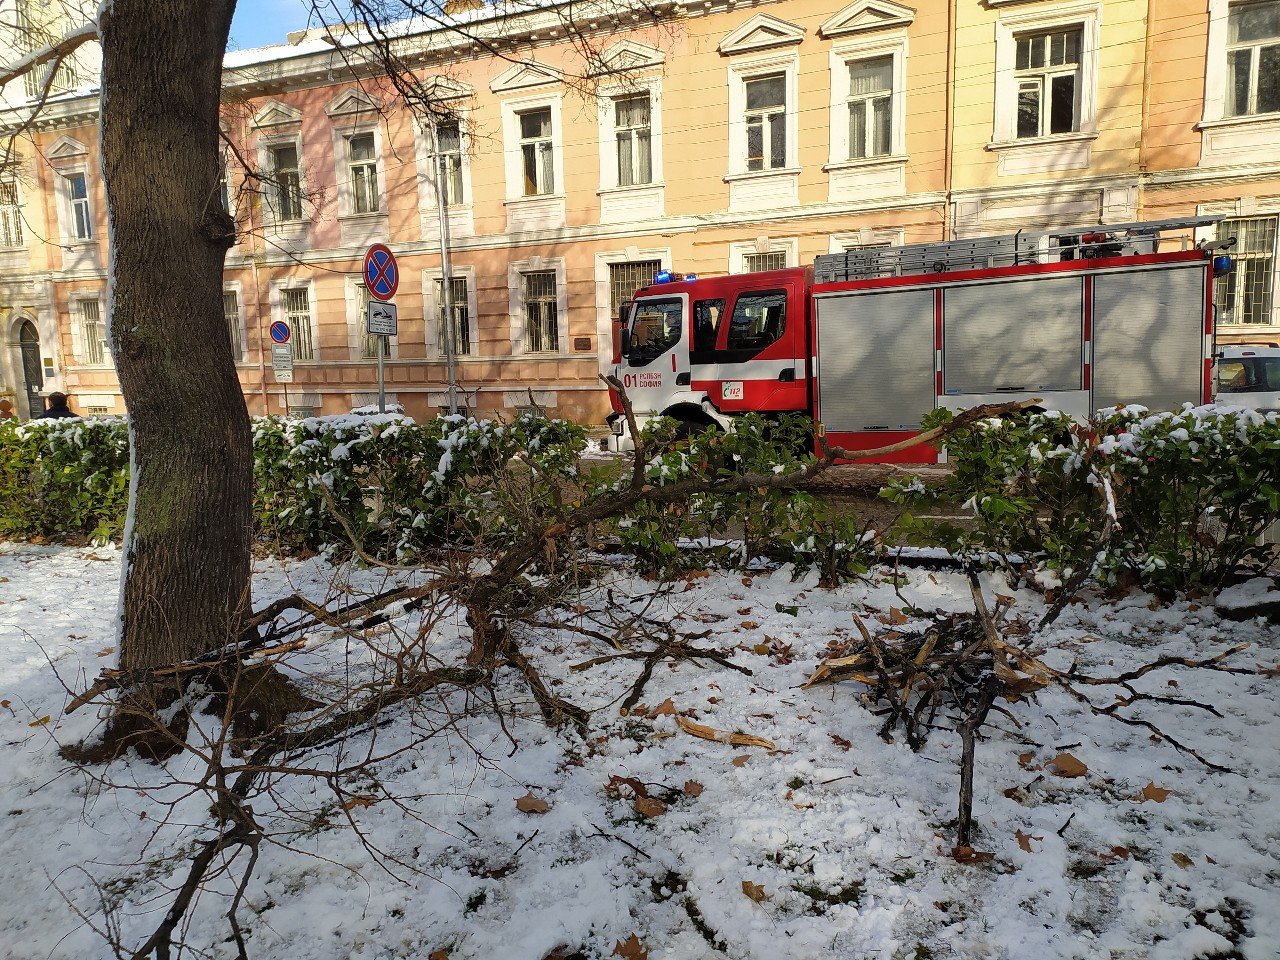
x=58 y=409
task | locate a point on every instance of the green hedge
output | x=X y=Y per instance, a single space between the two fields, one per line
x=1190 y=492
x=396 y=485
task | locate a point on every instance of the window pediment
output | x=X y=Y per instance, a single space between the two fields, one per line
x=627 y=55
x=864 y=16
x=353 y=103
x=761 y=32
x=446 y=88
x=276 y=114
x=66 y=148
x=524 y=75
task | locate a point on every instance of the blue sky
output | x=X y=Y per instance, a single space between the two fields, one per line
x=259 y=23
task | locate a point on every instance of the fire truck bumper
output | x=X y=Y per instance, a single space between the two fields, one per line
x=619 y=439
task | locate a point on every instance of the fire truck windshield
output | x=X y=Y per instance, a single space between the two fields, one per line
x=655 y=328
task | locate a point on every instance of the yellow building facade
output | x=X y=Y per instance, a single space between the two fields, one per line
x=712 y=138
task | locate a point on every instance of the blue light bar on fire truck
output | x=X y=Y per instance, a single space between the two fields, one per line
x=670 y=276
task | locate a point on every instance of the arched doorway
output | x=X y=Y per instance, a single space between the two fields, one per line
x=32 y=372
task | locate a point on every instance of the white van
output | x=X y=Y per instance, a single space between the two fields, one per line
x=1249 y=377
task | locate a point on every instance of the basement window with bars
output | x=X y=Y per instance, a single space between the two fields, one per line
x=10 y=215
x=1246 y=294
x=1047 y=78
x=626 y=278
x=541 y=323
x=295 y=303
x=461 y=317
x=93 y=335
x=231 y=314
x=758 y=262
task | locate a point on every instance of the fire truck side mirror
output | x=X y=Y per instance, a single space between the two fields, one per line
x=624 y=345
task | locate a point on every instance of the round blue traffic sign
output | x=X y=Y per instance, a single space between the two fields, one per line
x=381 y=275
x=280 y=332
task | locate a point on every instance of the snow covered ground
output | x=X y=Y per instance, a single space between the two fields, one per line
x=835 y=845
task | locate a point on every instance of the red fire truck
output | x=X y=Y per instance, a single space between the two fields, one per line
x=868 y=341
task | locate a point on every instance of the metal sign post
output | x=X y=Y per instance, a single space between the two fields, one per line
x=381 y=279
x=381 y=320
x=446 y=273
x=282 y=358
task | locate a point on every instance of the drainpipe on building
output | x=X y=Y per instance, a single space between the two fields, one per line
x=1140 y=201
x=950 y=121
x=446 y=271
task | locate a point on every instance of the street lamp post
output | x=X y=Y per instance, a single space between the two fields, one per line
x=446 y=270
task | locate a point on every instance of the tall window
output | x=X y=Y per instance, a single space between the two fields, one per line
x=449 y=144
x=756 y=262
x=10 y=215
x=368 y=341
x=35 y=30
x=1253 y=58
x=537 y=150
x=78 y=195
x=1246 y=294
x=461 y=316
x=288 y=182
x=626 y=278
x=296 y=304
x=631 y=124
x=766 y=119
x=1047 y=77
x=541 y=325
x=231 y=314
x=871 y=108
x=93 y=336
x=363 y=166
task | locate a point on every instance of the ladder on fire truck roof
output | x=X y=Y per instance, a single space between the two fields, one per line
x=1052 y=246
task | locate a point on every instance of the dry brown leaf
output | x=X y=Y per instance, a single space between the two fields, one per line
x=613 y=787
x=438 y=955
x=1182 y=860
x=649 y=807
x=970 y=855
x=754 y=891
x=1152 y=792
x=1210 y=859
x=665 y=709
x=4 y=704
x=1024 y=759
x=531 y=804
x=1024 y=840
x=1120 y=852
x=105 y=652
x=761 y=649
x=359 y=802
x=749 y=625
x=631 y=949
x=1065 y=765
x=742 y=760
x=723 y=736
x=692 y=788
x=743 y=611
x=746 y=581
x=897 y=616
x=39 y=723
x=841 y=742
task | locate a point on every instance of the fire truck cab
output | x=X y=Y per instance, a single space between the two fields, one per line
x=869 y=341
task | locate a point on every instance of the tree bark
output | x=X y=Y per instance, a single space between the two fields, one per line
x=187 y=538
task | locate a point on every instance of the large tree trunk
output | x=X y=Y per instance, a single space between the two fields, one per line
x=187 y=540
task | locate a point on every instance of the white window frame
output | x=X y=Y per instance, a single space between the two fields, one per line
x=742 y=69
x=14 y=219
x=1215 y=74
x=236 y=287
x=78 y=347
x=356 y=323
x=463 y=191
x=67 y=206
x=275 y=300
x=739 y=250
x=1088 y=19
x=607 y=125
x=867 y=237
x=342 y=135
x=849 y=52
x=267 y=144
x=431 y=304
x=515 y=293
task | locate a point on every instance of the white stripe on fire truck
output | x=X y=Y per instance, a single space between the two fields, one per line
x=751 y=370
